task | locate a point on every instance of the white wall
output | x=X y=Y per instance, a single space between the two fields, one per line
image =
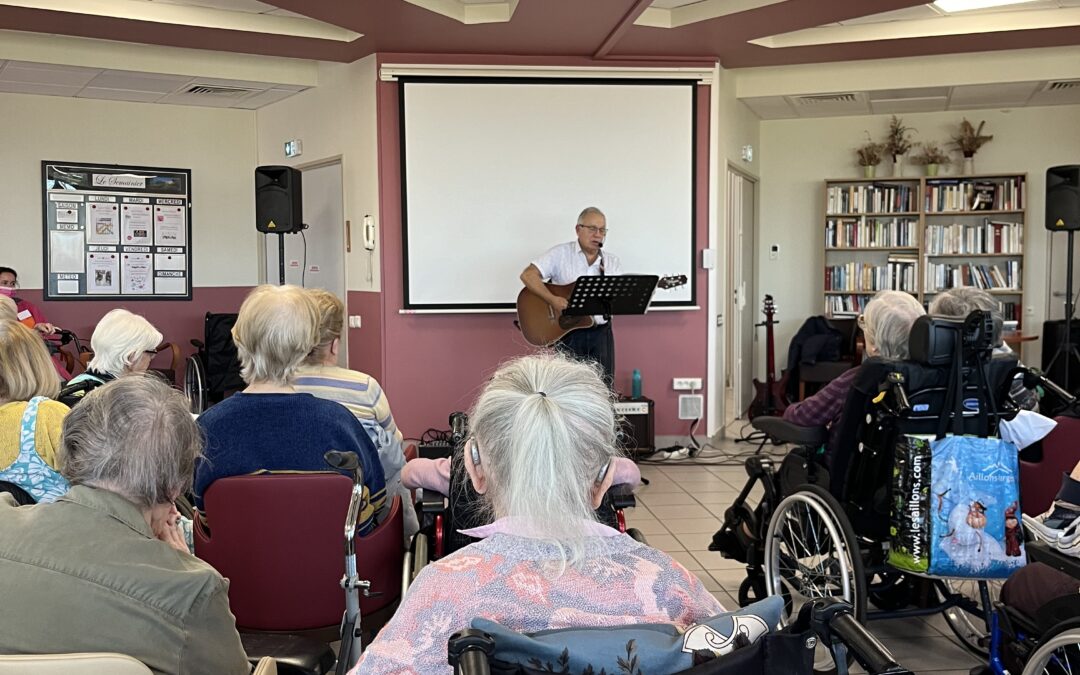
x=334 y=120
x=217 y=145
x=797 y=155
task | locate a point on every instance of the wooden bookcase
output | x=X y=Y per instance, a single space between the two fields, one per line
x=924 y=235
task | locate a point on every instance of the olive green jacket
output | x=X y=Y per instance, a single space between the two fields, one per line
x=85 y=574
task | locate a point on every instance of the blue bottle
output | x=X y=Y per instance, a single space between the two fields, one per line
x=635 y=388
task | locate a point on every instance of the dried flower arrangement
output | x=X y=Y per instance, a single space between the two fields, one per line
x=968 y=139
x=871 y=153
x=898 y=140
x=930 y=153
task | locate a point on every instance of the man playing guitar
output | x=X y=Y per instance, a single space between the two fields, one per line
x=563 y=264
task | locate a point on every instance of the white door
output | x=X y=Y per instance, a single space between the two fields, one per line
x=739 y=334
x=315 y=258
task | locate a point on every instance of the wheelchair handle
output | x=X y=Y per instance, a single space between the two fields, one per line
x=468 y=650
x=833 y=618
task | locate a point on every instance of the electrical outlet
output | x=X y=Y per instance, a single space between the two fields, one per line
x=691 y=406
x=687 y=383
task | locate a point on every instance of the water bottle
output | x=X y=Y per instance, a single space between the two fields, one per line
x=635 y=387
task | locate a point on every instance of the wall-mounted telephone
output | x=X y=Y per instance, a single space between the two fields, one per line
x=369 y=233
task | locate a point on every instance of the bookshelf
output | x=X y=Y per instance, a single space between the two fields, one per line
x=923 y=236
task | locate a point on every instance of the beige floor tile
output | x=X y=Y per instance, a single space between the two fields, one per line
x=692 y=525
x=710 y=584
x=695 y=541
x=714 y=561
x=725 y=498
x=647 y=526
x=658 y=486
x=665 y=542
x=689 y=562
x=667 y=498
x=664 y=513
x=925 y=655
x=729 y=579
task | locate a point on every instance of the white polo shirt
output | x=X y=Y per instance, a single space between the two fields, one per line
x=564 y=263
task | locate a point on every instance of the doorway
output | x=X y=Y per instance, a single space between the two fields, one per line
x=315 y=258
x=739 y=335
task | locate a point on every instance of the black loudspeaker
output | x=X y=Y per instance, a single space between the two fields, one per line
x=279 y=203
x=1052 y=337
x=1063 y=198
x=638 y=436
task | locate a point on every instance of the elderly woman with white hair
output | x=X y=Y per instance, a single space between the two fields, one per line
x=886 y=324
x=122 y=343
x=544 y=433
x=104 y=568
x=270 y=426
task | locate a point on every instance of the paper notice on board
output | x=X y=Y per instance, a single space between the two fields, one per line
x=170 y=274
x=67 y=286
x=67 y=215
x=66 y=251
x=170 y=225
x=137 y=224
x=104 y=224
x=137 y=276
x=102 y=273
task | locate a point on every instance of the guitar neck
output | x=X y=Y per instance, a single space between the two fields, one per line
x=770 y=357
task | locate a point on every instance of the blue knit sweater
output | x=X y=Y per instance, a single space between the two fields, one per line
x=247 y=433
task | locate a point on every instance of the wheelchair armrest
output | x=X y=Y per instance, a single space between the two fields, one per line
x=782 y=431
x=622 y=497
x=833 y=620
x=432 y=502
x=198 y=344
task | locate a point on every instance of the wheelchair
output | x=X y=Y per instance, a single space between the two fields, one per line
x=442 y=516
x=821 y=528
x=213 y=371
x=824 y=621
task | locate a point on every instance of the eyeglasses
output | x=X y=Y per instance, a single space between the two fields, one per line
x=594 y=229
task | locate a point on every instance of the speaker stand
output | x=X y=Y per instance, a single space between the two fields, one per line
x=1067 y=348
x=281 y=258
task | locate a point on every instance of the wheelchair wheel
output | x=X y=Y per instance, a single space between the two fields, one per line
x=811 y=552
x=1058 y=653
x=195 y=384
x=970 y=627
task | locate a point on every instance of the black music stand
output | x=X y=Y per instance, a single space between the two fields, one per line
x=611 y=295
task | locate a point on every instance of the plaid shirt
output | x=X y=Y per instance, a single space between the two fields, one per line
x=824 y=407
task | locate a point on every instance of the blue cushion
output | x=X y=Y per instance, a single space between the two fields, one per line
x=651 y=647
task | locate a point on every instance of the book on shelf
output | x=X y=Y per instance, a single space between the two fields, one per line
x=899 y=273
x=871 y=198
x=1004 y=276
x=846 y=305
x=863 y=232
x=959 y=194
x=963 y=239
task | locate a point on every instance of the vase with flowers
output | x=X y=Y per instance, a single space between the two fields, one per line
x=869 y=155
x=897 y=143
x=968 y=139
x=931 y=156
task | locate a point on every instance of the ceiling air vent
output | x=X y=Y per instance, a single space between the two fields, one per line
x=817 y=99
x=1062 y=85
x=219 y=91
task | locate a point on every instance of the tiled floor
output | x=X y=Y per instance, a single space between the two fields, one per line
x=682 y=507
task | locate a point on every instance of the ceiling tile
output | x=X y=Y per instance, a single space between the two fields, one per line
x=148 y=82
x=264 y=98
x=120 y=94
x=1062 y=97
x=208 y=101
x=70 y=76
x=909 y=105
x=35 y=88
x=1001 y=95
x=913 y=92
x=770 y=107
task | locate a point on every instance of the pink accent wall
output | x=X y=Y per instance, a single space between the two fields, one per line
x=366 y=342
x=434 y=364
x=179 y=321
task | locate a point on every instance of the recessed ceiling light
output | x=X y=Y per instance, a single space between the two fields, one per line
x=952 y=6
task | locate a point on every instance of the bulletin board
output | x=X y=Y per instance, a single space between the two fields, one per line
x=116 y=232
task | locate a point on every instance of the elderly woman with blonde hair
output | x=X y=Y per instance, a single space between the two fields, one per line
x=543 y=441
x=122 y=343
x=104 y=568
x=270 y=425
x=29 y=420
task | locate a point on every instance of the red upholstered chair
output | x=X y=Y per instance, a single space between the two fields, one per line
x=279 y=539
x=1040 y=481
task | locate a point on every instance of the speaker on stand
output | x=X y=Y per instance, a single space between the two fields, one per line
x=279 y=206
x=1063 y=215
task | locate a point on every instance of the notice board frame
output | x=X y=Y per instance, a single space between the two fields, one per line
x=164 y=193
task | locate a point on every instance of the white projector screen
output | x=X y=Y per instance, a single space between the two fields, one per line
x=495 y=172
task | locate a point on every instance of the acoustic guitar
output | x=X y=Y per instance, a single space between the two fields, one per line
x=543 y=327
x=770 y=396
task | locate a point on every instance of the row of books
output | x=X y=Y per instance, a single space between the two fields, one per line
x=1009 y=311
x=870 y=233
x=990 y=237
x=900 y=273
x=845 y=305
x=999 y=276
x=872 y=198
x=943 y=195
